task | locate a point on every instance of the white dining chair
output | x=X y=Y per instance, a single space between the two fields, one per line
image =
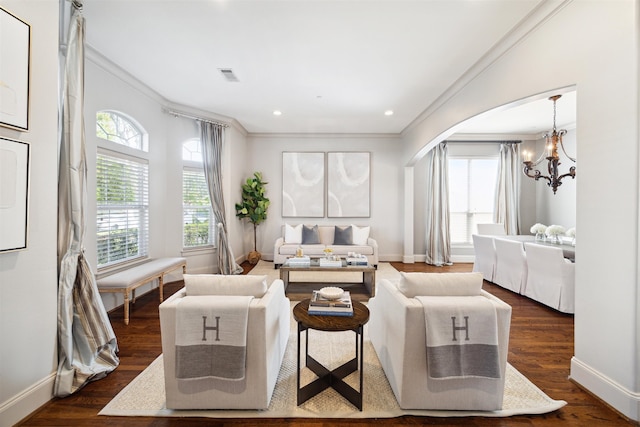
x=485 y=256
x=550 y=277
x=492 y=229
x=511 y=265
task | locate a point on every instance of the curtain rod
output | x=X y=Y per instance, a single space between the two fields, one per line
x=189 y=116
x=479 y=141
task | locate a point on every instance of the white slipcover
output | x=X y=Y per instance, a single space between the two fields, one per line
x=511 y=265
x=550 y=277
x=485 y=256
x=267 y=336
x=397 y=331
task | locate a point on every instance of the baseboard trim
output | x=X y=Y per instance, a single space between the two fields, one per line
x=22 y=405
x=613 y=394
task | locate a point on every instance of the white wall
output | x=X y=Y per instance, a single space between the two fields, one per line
x=595 y=46
x=264 y=153
x=28 y=278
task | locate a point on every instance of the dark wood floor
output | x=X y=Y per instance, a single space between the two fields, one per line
x=541 y=347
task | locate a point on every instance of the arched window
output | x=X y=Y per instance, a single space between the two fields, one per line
x=122 y=189
x=119 y=128
x=197 y=213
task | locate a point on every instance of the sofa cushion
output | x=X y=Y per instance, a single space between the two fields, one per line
x=293 y=234
x=343 y=236
x=218 y=284
x=310 y=235
x=360 y=235
x=326 y=233
x=440 y=284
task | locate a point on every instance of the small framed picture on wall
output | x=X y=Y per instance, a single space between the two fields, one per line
x=14 y=194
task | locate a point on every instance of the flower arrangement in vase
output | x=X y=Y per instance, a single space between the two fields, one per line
x=539 y=230
x=554 y=232
x=572 y=233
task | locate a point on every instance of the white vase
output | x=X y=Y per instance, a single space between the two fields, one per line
x=540 y=237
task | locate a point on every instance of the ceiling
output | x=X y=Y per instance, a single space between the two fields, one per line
x=329 y=66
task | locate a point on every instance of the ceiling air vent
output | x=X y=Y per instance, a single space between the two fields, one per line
x=227 y=73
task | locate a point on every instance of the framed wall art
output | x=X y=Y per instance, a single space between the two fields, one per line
x=303 y=184
x=14 y=194
x=348 y=185
x=15 y=46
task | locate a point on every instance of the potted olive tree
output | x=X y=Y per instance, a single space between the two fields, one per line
x=253 y=207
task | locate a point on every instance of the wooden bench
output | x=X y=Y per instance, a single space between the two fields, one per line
x=128 y=280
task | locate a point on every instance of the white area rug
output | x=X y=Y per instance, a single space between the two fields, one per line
x=144 y=396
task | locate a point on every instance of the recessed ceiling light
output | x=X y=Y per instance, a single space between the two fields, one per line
x=277 y=112
x=388 y=113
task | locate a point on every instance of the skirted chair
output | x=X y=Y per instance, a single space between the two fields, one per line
x=485 y=256
x=511 y=265
x=223 y=341
x=550 y=277
x=446 y=362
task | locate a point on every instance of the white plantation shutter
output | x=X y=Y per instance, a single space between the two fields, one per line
x=122 y=193
x=198 y=224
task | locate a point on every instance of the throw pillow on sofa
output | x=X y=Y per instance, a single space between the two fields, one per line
x=343 y=236
x=293 y=234
x=360 y=235
x=310 y=235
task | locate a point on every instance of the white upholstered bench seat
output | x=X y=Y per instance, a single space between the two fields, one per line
x=128 y=280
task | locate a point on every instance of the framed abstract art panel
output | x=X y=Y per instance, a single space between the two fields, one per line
x=15 y=44
x=303 y=180
x=348 y=185
x=14 y=194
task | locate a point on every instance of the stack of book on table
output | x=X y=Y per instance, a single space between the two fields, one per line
x=330 y=262
x=299 y=261
x=331 y=307
x=357 y=260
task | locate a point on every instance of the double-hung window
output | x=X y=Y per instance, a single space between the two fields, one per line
x=472 y=185
x=122 y=190
x=197 y=213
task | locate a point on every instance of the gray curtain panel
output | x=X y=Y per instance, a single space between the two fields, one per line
x=87 y=346
x=507 y=200
x=437 y=227
x=212 y=140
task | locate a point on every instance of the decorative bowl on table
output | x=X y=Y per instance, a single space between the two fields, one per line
x=331 y=292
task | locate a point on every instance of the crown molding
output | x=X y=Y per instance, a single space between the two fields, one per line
x=325 y=135
x=107 y=65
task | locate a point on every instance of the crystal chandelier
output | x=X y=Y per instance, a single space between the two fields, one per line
x=553 y=139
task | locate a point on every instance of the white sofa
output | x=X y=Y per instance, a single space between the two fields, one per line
x=267 y=335
x=398 y=334
x=284 y=249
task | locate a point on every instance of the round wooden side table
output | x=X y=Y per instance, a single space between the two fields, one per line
x=334 y=378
